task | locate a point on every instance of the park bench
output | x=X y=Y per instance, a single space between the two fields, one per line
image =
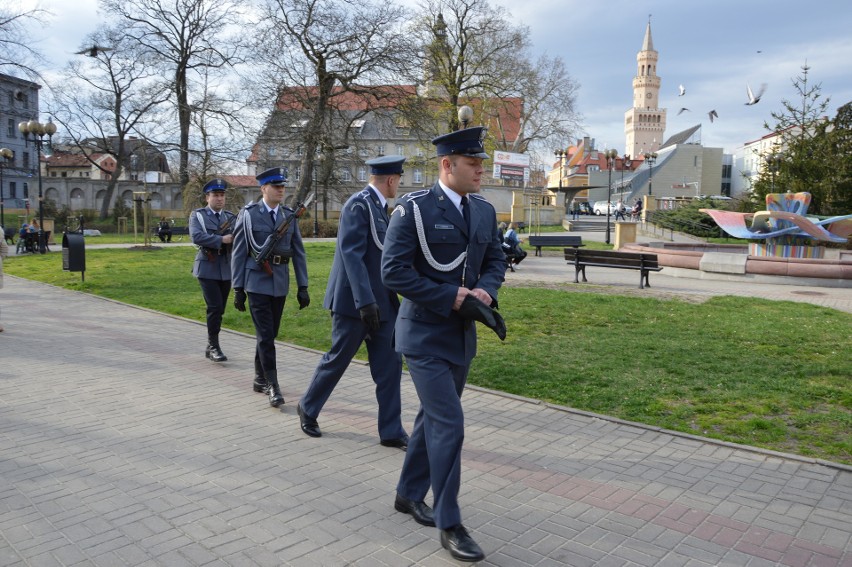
x=645 y=263
x=179 y=231
x=539 y=240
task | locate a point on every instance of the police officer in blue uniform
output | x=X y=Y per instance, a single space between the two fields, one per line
x=362 y=308
x=267 y=292
x=442 y=245
x=211 y=228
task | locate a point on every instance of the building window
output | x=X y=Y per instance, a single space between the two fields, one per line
x=362 y=173
x=418 y=176
x=270 y=151
x=25 y=161
x=299 y=151
x=345 y=174
x=13 y=189
x=11 y=127
x=400 y=150
x=380 y=150
x=419 y=152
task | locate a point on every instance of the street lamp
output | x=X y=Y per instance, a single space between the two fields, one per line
x=6 y=155
x=611 y=156
x=38 y=131
x=465 y=115
x=560 y=154
x=651 y=158
x=625 y=164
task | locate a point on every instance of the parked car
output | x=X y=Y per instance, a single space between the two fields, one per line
x=586 y=209
x=600 y=208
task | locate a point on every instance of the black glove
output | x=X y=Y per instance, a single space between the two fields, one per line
x=472 y=308
x=303 y=297
x=370 y=317
x=239 y=299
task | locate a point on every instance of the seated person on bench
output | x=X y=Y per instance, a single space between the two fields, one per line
x=164 y=230
x=512 y=245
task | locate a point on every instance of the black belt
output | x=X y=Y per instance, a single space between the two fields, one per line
x=276 y=260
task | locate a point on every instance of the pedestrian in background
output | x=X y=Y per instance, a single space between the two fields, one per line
x=211 y=230
x=441 y=251
x=362 y=308
x=267 y=292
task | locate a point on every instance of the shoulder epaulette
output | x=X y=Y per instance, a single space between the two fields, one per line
x=416 y=194
x=475 y=196
x=250 y=205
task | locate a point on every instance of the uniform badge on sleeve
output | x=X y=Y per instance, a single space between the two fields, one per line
x=399 y=208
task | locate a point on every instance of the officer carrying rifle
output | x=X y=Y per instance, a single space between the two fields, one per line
x=266 y=241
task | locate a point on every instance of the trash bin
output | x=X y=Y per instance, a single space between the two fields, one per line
x=74 y=253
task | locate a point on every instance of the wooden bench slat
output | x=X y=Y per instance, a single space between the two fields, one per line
x=540 y=240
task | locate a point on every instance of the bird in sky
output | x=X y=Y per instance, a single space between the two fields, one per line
x=93 y=51
x=679 y=112
x=754 y=98
x=712 y=114
x=681 y=90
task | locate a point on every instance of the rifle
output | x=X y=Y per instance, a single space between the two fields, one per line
x=262 y=257
x=219 y=232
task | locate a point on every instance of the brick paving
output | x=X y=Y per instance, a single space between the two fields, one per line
x=121 y=445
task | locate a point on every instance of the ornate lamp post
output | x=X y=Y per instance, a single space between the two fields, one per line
x=465 y=115
x=38 y=131
x=6 y=155
x=611 y=156
x=560 y=154
x=651 y=158
x=625 y=164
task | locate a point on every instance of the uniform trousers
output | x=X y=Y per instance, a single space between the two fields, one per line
x=433 y=457
x=266 y=313
x=347 y=334
x=215 y=294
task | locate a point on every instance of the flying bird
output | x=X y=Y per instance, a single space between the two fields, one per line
x=679 y=112
x=93 y=51
x=681 y=90
x=754 y=98
x=712 y=114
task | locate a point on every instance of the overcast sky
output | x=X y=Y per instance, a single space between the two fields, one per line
x=713 y=48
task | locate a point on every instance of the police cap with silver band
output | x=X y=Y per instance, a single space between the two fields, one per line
x=217 y=184
x=386 y=165
x=467 y=142
x=274 y=176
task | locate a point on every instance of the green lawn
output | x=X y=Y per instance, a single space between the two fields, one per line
x=758 y=372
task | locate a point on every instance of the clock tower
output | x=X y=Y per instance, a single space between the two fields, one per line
x=645 y=123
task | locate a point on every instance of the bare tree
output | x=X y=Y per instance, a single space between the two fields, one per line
x=185 y=37
x=16 y=46
x=105 y=98
x=321 y=60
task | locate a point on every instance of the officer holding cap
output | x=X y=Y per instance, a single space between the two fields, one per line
x=362 y=308
x=442 y=250
x=267 y=293
x=210 y=229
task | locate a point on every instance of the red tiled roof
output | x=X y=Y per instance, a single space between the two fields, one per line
x=241 y=180
x=67 y=160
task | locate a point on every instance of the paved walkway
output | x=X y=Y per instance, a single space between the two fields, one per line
x=121 y=445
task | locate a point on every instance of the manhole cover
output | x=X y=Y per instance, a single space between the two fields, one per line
x=808 y=293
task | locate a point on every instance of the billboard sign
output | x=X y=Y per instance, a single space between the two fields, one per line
x=511 y=166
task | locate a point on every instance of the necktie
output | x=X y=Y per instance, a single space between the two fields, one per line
x=466 y=211
x=272 y=216
x=217 y=217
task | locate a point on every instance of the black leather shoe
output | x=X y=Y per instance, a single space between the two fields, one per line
x=421 y=513
x=460 y=545
x=215 y=354
x=275 y=397
x=309 y=424
x=260 y=384
x=400 y=442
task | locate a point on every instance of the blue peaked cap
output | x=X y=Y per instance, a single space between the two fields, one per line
x=274 y=176
x=217 y=184
x=386 y=165
x=467 y=142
